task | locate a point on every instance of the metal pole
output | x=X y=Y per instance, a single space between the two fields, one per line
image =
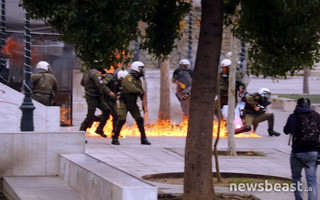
x=3 y=68
x=136 y=51
x=190 y=38
x=242 y=54
x=27 y=106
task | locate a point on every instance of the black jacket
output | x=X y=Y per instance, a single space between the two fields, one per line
x=291 y=127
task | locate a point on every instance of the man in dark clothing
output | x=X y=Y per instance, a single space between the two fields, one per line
x=96 y=90
x=44 y=84
x=302 y=157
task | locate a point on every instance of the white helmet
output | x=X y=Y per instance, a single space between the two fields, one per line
x=137 y=66
x=265 y=92
x=229 y=54
x=43 y=65
x=225 y=63
x=185 y=62
x=121 y=74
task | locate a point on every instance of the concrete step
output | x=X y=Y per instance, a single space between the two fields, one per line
x=44 y=188
x=94 y=179
x=80 y=177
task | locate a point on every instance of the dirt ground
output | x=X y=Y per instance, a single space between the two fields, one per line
x=218 y=197
x=225 y=183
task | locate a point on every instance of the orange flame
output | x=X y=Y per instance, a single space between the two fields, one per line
x=64 y=112
x=163 y=129
x=15 y=51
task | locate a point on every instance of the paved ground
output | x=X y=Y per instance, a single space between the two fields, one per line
x=166 y=154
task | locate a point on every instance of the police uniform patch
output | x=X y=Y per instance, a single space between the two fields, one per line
x=98 y=75
x=129 y=79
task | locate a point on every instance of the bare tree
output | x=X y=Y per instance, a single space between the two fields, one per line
x=164 y=109
x=306 y=80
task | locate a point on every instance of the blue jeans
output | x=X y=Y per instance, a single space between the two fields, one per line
x=310 y=159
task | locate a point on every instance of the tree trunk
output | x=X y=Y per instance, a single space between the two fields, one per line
x=198 y=152
x=164 y=109
x=306 y=80
x=232 y=98
x=215 y=145
x=231 y=107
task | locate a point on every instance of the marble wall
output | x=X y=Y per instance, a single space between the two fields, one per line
x=45 y=118
x=36 y=153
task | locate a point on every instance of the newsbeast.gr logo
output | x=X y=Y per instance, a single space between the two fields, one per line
x=266 y=186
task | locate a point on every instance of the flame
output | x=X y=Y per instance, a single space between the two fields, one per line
x=111 y=70
x=15 y=51
x=162 y=129
x=64 y=116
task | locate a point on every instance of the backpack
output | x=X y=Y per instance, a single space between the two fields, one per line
x=308 y=130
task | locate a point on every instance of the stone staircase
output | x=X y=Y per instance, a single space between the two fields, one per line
x=53 y=165
x=80 y=177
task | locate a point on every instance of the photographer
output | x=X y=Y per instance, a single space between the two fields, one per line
x=304 y=125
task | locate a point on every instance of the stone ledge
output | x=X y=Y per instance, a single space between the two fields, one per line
x=30 y=188
x=37 y=153
x=289 y=104
x=283 y=103
x=94 y=179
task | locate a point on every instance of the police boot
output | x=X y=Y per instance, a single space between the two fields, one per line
x=115 y=122
x=242 y=129
x=103 y=120
x=255 y=126
x=271 y=125
x=117 y=130
x=87 y=123
x=144 y=139
x=99 y=131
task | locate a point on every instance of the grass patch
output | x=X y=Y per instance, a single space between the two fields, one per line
x=313 y=98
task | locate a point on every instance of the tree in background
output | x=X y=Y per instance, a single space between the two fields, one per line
x=101 y=31
x=161 y=34
x=283 y=35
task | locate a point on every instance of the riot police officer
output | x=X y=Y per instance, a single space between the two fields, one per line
x=182 y=76
x=255 y=112
x=96 y=89
x=131 y=89
x=224 y=82
x=44 y=84
x=113 y=81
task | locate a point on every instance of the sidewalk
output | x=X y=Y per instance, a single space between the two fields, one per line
x=165 y=155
